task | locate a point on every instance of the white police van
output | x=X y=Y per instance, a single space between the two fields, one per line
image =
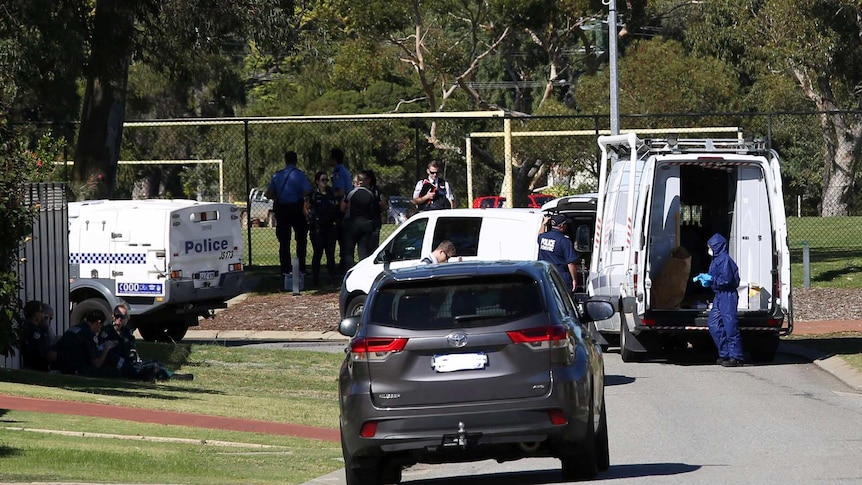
x=172 y=261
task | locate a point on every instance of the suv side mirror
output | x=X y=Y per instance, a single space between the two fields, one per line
x=349 y=326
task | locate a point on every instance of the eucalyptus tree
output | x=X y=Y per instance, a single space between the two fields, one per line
x=816 y=44
x=170 y=35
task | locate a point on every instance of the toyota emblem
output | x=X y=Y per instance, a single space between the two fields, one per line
x=457 y=339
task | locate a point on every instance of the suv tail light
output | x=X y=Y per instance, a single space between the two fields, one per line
x=554 y=335
x=376 y=348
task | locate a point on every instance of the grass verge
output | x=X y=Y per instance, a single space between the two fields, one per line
x=32 y=449
x=272 y=385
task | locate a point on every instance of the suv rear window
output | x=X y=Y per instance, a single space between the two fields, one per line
x=472 y=302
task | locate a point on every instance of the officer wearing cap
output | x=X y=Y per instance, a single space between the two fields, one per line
x=556 y=248
x=79 y=352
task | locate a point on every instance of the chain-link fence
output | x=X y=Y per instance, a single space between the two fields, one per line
x=227 y=159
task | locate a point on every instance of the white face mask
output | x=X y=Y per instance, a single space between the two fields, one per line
x=709 y=251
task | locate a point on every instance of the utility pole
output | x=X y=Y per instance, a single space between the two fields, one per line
x=612 y=53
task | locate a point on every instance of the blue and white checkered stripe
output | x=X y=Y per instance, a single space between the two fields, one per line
x=108 y=258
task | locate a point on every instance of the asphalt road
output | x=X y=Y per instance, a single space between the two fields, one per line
x=684 y=422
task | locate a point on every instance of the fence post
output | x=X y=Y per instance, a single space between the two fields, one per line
x=806 y=265
x=247 y=190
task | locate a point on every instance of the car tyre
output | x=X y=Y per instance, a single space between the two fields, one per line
x=355 y=306
x=603 y=454
x=365 y=473
x=763 y=347
x=580 y=462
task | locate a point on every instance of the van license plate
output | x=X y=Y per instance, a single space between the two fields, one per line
x=207 y=275
x=456 y=362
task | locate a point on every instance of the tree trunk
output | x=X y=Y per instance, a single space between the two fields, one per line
x=98 y=147
x=842 y=139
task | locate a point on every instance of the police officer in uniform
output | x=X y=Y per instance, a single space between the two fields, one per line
x=323 y=211
x=288 y=189
x=79 y=352
x=556 y=248
x=37 y=352
x=433 y=193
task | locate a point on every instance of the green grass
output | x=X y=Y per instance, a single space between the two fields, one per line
x=130 y=452
x=271 y=385
x=264 y=246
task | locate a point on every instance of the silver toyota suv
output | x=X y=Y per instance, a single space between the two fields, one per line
x=469 y=361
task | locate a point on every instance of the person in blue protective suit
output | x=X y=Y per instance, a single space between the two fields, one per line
x=556 y=248
x=723 y=278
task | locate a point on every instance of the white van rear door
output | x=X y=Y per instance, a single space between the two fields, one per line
x=751 y=235
x=204 y=241
x=782 y=243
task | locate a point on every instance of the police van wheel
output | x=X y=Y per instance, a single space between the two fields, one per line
x=88 y=305
x=355 y=307
x=170 y=331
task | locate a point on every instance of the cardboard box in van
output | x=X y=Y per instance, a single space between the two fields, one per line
x=489 y=235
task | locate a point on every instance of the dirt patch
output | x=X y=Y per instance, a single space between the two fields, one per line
x=317 y=309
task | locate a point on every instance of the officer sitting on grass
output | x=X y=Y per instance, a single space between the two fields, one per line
x=124 y=354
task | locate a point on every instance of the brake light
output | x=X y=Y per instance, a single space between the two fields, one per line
x=376 y=348
x=774 y=322
x=369 y=429
x=557 y=417
x=550 y=333
x=235 y=267
x=176 y=274
x=648 y=321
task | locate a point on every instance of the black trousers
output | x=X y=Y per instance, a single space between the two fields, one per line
x=290 y=217
x=323 y=242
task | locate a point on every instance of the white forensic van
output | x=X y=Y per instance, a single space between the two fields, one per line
x=659 y=201
x=170 y=260
x=478 y=234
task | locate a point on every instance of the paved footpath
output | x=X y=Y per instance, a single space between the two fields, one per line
x=833 y=365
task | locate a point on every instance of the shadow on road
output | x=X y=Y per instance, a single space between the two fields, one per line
x=553 y=476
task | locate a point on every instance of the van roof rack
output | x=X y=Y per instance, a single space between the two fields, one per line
x=689 y=145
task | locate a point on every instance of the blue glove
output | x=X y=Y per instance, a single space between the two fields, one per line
x=704 y=279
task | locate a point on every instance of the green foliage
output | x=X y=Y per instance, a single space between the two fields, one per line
x=658 y=76
x=17 y=164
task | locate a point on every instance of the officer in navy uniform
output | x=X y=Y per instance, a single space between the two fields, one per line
x=124 y=356
x=288 y=189
x=433 y=193
x=79 y=352
x=37 y=352
x=323 y=211
x=556 y=248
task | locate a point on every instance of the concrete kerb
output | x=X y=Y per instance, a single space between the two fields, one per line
x=832 y=364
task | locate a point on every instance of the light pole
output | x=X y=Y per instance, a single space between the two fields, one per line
x=612 y=53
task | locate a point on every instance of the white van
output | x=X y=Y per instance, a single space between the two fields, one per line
x=657 y=207
x=170 y=260
x=478 y=234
